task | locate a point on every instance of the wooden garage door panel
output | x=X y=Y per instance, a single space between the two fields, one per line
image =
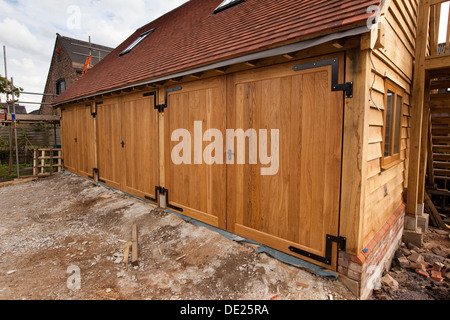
x=69 y=138
x=299 y=205
x=140 y=134
x=199 y=189
x=109 y=139
x=85 y=141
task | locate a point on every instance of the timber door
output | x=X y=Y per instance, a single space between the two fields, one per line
x=195 y=188
x=296 y=209
x=140 y=145
x=85 y=146
x=127 y=135
x=109 y=139
x=69 y=138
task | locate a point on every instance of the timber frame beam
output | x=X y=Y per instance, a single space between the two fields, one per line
x=417 y=113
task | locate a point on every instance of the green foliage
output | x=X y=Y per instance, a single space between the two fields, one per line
x=3 y=86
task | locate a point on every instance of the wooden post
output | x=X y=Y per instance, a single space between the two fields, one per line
x=354 y=158
x=96 y=177
x=59 y=161
x=418 y=95
x=162 y=171
x=424 y=145
x=51 y=161
x=42 y=162
x=35 y=162
x=134 y=245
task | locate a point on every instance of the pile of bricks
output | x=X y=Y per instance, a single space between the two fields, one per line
x=437 y=271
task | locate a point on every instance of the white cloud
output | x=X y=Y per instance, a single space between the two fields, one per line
x=16 y=35
x=28 y=29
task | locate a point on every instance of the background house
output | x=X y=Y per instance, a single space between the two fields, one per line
x=67 y=65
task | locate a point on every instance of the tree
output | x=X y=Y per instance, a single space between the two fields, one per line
x=3 y=86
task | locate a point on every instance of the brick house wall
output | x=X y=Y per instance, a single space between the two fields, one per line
x=68 y=60
x=61 y=67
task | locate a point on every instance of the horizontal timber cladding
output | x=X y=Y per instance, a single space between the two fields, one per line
x=286 y=195
x=297 y=208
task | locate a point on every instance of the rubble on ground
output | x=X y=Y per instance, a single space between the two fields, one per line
x=419 y=273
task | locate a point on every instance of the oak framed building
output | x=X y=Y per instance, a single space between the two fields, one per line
x=334 y=77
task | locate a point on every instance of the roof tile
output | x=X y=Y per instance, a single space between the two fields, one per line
x=192 y=36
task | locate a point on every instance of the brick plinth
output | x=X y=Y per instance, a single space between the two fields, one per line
x=367 y=267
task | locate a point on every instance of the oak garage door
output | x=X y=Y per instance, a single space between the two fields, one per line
x=78 y=139
x=296 y=209
x=284 y=193
x=197 y=188
x=127 y=135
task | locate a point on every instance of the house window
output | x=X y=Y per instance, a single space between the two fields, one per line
x=392 y=125
x=60 y=86
x=227 y=4
x=136 y=42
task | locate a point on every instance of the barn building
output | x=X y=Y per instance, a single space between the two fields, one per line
x=319 y=91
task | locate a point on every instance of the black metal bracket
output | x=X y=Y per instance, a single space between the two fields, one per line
x=163 y=192
x=93 y=108
x=97 y=171
x=334 y=63
x=155 y=199
x=162 y=107
x=94 y=171
x=341 y=241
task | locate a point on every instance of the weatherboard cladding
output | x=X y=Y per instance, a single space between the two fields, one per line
x=192 y=36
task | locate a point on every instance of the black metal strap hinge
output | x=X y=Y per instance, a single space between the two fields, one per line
x=163 y=192
x=341 y=241
x=334 y=63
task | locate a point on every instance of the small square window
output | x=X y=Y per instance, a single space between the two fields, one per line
x=227 y=4
x=392 y=116
x=60 y=86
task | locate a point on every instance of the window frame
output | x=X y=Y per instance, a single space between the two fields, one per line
x=136 y=42
x=58 y=86
x=394 y=158
x=224 y=6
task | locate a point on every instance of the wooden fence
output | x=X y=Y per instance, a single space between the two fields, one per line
x=47 y=162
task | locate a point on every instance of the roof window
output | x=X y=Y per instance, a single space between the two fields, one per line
x=227 y=4
x=137 y=41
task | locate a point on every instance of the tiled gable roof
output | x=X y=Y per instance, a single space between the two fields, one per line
x=192 y=36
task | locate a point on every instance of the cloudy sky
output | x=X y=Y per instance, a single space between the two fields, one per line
x=28 y=30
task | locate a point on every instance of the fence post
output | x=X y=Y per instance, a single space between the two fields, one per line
x=35 y=162
x=59 y=161
x=43 y=162
x=51 y=161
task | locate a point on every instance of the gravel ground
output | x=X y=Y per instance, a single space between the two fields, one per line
x=62 y=238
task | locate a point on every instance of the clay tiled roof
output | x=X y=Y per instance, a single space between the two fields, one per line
x=192 y=36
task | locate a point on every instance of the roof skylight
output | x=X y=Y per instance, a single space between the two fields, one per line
x=227 y=4
x=136 y=42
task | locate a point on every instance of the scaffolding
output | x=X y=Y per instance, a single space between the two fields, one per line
x=13 y=119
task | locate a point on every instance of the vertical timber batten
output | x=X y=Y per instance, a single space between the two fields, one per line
x=417 y=112
x=354 y=164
